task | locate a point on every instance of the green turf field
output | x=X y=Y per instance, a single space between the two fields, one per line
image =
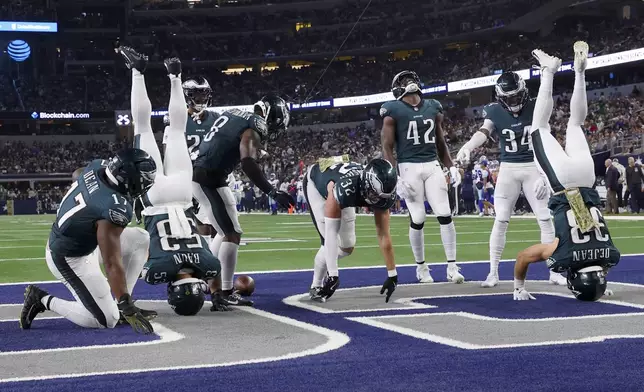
x=290 y=242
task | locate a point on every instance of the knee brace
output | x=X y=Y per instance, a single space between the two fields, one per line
x=416 y=226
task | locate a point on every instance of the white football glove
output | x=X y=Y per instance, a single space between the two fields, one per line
x=463 y=155
x=522 y=295
x=453 y=172
x=541 y=189
x=404 y=190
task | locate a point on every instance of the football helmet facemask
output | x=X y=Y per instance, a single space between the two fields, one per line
x=198 y=93
x=404 y=83
x=511 y=91
x=275 y=112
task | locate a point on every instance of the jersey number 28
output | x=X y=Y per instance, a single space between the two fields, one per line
x=511 y=139
x=412 y=132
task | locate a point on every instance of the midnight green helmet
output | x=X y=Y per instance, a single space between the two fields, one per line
x=187 y=296
x=587 y=284
x=378 y=184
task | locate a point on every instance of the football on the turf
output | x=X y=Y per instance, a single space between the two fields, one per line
x=244 y=285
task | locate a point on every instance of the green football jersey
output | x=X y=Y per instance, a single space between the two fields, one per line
x=88 y=201
x=513 y=131
x=577 y=250
x=347 y=189
x=415 y=129
x=219 y=148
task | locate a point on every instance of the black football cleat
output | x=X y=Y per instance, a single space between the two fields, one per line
x=314 y=294
x=173 y=65
x=234 y=299
x=332 y=283
x=32 y=305
x=133 y=59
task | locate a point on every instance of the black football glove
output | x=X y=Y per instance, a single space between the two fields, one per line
x=389 y=286
x=219 y=304
x=138 y=209
x=195 y=206
x=133 y=315
x=282 y=198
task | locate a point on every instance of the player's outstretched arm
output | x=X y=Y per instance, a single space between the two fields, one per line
x=388 y=139
x=108 y=236
x=477 y=140
x=387 y=250
x=109 y=243
x=250 y=144
x=533 y=254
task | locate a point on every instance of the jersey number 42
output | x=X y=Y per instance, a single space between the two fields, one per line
x=429 y=136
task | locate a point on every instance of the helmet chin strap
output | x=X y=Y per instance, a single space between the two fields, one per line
x=411 y=88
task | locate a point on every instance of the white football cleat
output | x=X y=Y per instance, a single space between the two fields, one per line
x=546 y=61
x=492 y=280
x=423 y=275
x=581 y=56
x=454 y=274
x=558 y=279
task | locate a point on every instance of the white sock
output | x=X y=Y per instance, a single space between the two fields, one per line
x=319 y=268
x=141 y=116
x=228 y=259
x=74 y=312
x=543 y=105
x=497 y=244
x=215 y=244
x=547 y=231
x=579 y=101
x=417 y=241
x=177 y=159
x=448 y=236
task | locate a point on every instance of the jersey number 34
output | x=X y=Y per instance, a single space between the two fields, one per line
x=412 y=132
x=511 y=139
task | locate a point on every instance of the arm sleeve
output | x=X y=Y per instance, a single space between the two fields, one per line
x=477 y=140
x=255 y=174
x=489 y=125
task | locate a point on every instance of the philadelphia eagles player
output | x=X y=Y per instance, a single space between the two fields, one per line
x=583 y=247
x=235 y=138
x=94 y=213
x=198 y=95
x=414 y=127
x=333 y=188
x=179 y=256
x=510 y=118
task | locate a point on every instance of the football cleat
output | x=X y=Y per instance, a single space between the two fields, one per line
x=492 y=280
x=133 y=59
x=32 y=305
x=454 y=274
x=581 y=56
x=234 y=299
x=558 y=279
x=546 y=61
x=423 y=275
x=314 y=294
x=330 y=286
x=173 y=66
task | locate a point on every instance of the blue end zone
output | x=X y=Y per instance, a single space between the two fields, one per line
x=59 y=333
x=379 y=360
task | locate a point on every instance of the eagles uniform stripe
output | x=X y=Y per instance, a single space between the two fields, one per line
x=79 y=288
x=542 y=158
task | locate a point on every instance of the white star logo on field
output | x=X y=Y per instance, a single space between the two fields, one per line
x=4 y=208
